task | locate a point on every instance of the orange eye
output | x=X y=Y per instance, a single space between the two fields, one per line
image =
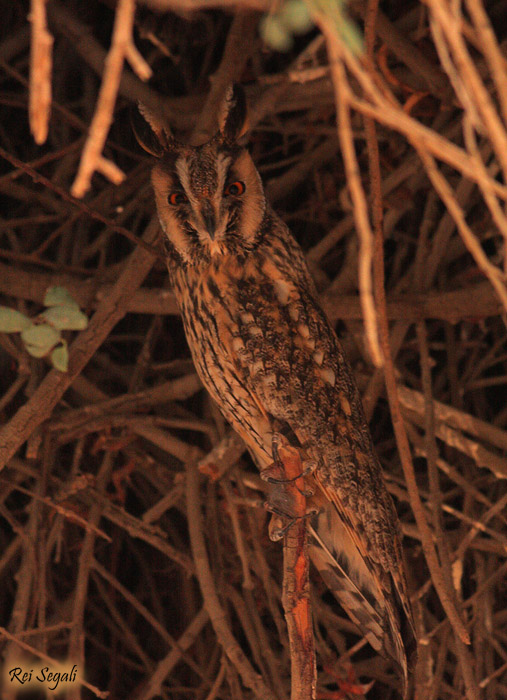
x=176 y=198
x=235 y=188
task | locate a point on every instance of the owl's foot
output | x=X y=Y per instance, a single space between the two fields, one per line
x=275 y=474
x=278 y=524
x=286 y=494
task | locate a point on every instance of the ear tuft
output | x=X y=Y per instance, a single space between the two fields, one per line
x=233 y=118
x=150 y=132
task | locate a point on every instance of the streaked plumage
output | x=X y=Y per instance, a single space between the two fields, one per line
x=268 y=356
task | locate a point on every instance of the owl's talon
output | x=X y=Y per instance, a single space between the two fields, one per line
x=310 y=465
x=277 y=529
x=275 y=474
x=274 y=480
x=275 y=443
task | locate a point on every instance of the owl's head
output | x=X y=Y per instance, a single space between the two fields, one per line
x=209 y=198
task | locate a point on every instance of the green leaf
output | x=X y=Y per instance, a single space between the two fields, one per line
x=65 y=317
x=12 y=321
x=275 y=33
x=40 y=339
x=60 y=357
x=57 y=296
x=296 y=16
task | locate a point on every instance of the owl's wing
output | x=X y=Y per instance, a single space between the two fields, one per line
x=295 y=367
x=375 y=596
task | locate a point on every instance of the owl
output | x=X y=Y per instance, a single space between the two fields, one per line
x=270 y=358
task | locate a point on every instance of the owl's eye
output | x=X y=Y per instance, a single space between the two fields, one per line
x=176 y=198
x=235 y=188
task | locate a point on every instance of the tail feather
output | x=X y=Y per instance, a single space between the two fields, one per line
x=368 y=596
x=348 y=593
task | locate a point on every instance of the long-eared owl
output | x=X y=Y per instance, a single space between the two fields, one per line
x=268 y=356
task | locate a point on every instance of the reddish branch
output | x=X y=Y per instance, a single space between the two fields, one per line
x=296 y=583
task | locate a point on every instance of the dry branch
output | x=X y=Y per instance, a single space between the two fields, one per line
x=296 y=581
x=209 y=593
x=122 y=47
x=40 y=72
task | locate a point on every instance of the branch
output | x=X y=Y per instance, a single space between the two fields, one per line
x=212 y=603
x=360 y=207
x=296 y=582
x=41 y=62
x=122 y=47
x=452 y=306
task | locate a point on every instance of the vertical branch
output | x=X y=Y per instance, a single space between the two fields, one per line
x=492 y=51
x=296 y=584
x=76 y=648
x=342 y=95
x=462 y=652
x=404 y=448
x=212 y=604
x=392 y=391
x=237 y=51
x=447 y=18
x=41 y=62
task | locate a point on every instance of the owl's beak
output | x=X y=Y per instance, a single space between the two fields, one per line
x=208 y=216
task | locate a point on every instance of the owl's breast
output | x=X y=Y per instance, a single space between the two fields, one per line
x=212 y=318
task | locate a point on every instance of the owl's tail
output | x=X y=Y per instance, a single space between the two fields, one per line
x=377 y=611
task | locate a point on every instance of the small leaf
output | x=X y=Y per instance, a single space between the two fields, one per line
x=60 y=357
x=56 y=296
x=40 y=339
x=296 y=17
x=65 y=317
x=12 y=321
x=275 y=33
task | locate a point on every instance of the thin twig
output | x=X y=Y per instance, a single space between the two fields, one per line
x=342 y=94
x=41 y=62
x=211 y=601
x=399 y=430
x=121 y=47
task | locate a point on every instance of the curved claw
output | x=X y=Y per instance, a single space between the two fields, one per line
x=277 y=529
x=275 y=443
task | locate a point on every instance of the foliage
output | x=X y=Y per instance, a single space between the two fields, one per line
x=42 y=335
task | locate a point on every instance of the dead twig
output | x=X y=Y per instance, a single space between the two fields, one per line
x=399 y=430
x=122 y=47
x=209 y=593
x=342 y=94
x=40 y=72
